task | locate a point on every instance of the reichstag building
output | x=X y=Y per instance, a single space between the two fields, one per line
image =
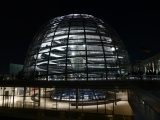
x=74 y=66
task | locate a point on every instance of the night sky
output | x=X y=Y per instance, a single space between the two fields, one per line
x=137 y=24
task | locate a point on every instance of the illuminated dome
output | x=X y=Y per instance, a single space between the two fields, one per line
x=76 y=47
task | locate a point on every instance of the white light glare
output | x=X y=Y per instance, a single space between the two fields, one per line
x=112 y=49
x=72 y=46
x=73 y=53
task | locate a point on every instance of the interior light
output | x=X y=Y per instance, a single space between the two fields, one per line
x=73 y=53
x=120 y=56
x=72 y=46
x=112 y=49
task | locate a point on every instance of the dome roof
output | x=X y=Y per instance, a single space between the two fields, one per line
x=76 y=47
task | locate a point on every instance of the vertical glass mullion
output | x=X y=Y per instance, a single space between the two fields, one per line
x=67 y=50
x=50 y=51
x=86 y=64
x=104 y=55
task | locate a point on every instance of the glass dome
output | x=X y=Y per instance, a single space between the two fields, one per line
x=76 y=47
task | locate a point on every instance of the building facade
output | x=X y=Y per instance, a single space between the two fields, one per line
x=149 y=67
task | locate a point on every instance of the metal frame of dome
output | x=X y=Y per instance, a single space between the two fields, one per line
x=76 y=47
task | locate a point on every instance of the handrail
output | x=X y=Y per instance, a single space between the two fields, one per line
x=144 y=104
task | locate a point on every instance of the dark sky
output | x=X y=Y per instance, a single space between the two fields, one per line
x=138 y=24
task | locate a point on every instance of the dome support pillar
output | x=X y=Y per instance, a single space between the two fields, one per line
x=77 y=98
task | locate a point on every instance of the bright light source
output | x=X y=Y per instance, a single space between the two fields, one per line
x=73 y=53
